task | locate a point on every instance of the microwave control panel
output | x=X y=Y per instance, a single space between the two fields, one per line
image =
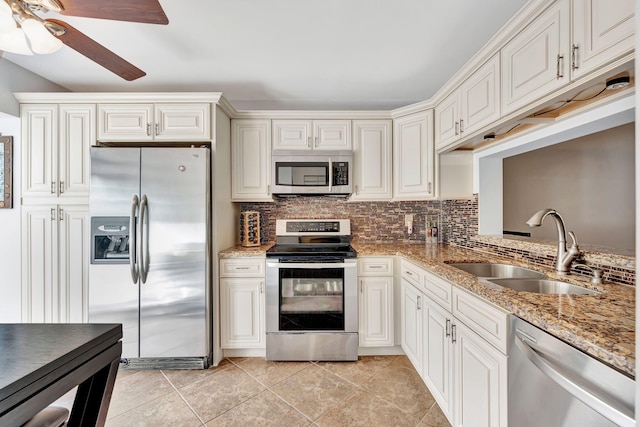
x=341 y=173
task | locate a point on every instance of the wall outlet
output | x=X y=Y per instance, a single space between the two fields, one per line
x=408 y=222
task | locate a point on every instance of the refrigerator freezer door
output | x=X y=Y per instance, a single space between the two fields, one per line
x=174 y=300
x=113 y=296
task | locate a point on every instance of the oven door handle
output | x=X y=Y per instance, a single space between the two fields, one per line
x=310 y=265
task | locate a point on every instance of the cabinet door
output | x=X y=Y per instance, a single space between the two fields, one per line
x=447 y=120
x=77 y=134
x=372 y=155
x=376 y=312
x=413 y=157
x=292 y=135
x=39 y=150
x=332 y=135
x=536 y=62
x=602 y=32
x=437 y=369
x=250 y=160
x=39 y=267
x=480 y=97
x=242 y=313
x=73 y=262
x=481 y=381
x=411 y=324
x=182 y=122
x=125 y=122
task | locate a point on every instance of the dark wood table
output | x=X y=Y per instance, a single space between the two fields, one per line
x=39 y=363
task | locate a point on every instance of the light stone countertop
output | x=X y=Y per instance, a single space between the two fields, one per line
x=601 y=325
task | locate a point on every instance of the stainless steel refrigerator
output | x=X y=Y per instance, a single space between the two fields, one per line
x=150 y=252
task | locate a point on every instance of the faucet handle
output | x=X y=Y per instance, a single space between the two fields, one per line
x=573 y=237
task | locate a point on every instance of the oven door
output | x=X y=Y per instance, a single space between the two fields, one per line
x=311 y=296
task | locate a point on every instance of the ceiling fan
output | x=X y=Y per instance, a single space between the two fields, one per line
x=19 y=23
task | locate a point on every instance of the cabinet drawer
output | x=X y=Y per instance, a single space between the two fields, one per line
x=412 y=273
x=374 y=266
x=242 y=267
x=438 y=290
x=486 y=320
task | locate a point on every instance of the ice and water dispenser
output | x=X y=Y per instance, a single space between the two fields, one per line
x=110 y=240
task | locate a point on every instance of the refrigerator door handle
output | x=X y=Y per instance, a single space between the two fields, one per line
x=144 y=239
x=133 y=251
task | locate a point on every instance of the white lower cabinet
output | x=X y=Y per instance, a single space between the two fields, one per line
x=411 y=323
x=480 y=373
x=55 y=258
x=375 y=281
x=464 y=371
x=242 y=286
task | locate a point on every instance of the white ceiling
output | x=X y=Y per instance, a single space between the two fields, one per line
x=287 y=54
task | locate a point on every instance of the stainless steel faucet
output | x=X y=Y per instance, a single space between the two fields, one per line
x=565 y=256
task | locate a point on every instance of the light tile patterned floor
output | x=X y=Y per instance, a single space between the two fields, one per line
x=374 y=391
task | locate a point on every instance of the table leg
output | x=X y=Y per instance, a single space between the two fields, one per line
x=93 y=396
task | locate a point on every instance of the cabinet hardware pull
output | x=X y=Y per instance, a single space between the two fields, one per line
x=429 y=188
x=61 y=187
x=309 y=141
x=157 y=128
x=574 y=57
x=53 y=187
x=356 y=189
x=262 y=287
x=457 y=128
x=453 y=333
x=461 y=125
x=361 y=287
x=315 y=142
x=559 y=75
x=148 y=129
x=61 y=214
x=448 y=328
x=409 y=273
x=419 y=302
x=375 y=266
x=242 y=268
x=53 y=214
x=268 y=190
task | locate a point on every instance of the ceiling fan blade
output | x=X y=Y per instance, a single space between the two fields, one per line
x=146 y=11
x=96 y=52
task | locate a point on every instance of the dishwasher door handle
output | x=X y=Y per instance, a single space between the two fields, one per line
x=606 y=408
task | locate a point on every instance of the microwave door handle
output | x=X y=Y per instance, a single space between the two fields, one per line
x=330 y=174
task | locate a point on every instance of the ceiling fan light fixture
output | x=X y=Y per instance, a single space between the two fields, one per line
x=15 y=42
x=42 y=41
x=7 y=23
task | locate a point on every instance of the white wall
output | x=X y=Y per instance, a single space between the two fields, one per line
x=16 y=79
x=10 y=233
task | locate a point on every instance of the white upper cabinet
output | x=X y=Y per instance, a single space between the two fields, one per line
x=537 y=61
x=602 y=31
x=311 y=134
x=154 y=122
x=474 y=105
x=55 y=150
x=250 y=160
x=372 y=158
x=413 y=157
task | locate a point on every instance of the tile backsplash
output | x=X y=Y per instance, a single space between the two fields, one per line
x=374 y=222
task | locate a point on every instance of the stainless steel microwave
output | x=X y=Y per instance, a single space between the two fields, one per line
x=312 y=173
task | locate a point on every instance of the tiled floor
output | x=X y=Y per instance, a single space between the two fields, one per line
x=375 y=391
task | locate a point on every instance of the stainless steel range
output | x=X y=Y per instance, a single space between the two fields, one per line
x=312 y=299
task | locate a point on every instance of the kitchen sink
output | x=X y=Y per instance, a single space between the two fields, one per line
x=488 y=270
x=542 y=286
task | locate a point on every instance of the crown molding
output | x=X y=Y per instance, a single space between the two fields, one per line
x=116 y=97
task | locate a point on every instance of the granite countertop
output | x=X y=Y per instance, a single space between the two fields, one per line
x=601 y=325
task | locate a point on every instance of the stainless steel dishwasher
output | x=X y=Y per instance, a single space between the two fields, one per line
x=553 y=384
